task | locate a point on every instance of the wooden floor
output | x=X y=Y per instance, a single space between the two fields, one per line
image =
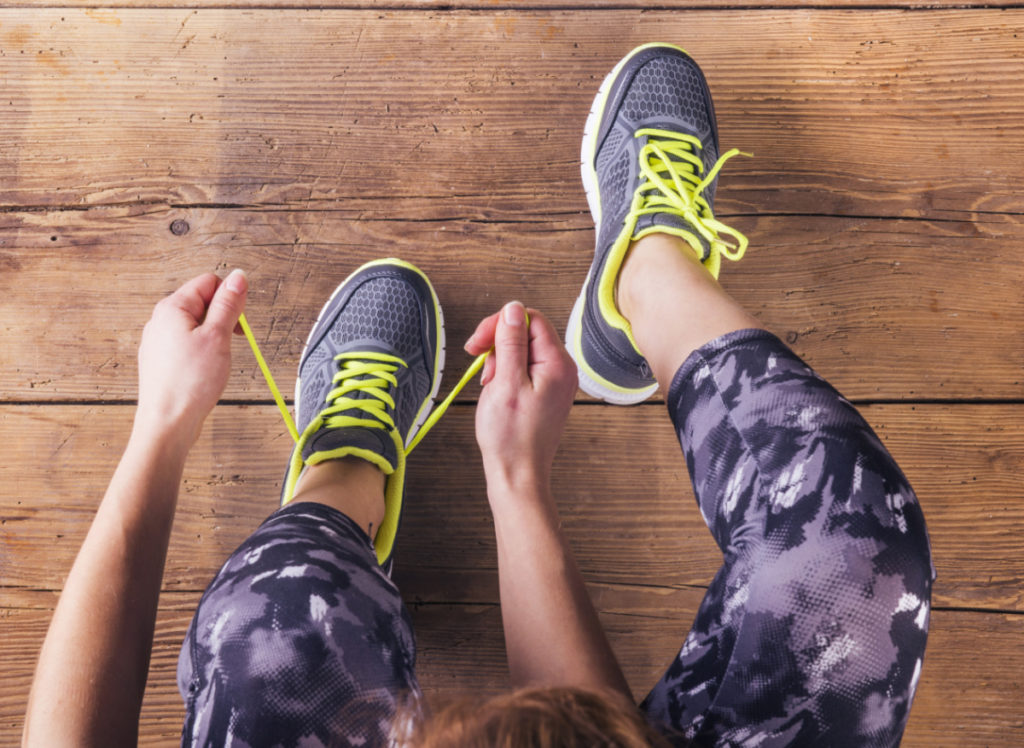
x=142 y=146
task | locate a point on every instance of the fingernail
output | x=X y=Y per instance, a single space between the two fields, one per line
x=236 y=280
x=514 y=314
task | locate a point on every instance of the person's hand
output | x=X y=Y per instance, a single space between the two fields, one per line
x=528 y=386
x=185 y=354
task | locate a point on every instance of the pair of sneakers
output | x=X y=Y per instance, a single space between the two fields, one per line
x=372 y=364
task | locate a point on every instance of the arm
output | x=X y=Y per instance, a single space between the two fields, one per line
x=552 y=634
x=92 y=670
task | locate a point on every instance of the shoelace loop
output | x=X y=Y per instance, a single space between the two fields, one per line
x=367 y=373
x=373 y=373
x=673 y=184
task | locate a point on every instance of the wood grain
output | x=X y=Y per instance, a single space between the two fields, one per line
x=968 y=693
x=883 y=204
x=625 y=497
x=577 y=6
x=885 y=309
x=430 y=115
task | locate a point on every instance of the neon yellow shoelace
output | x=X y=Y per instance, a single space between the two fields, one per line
x=372 y=373
x=368 y=373
x=673 y=184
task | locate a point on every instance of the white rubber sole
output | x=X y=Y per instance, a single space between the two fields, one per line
x=587 y=383
x=428 y=405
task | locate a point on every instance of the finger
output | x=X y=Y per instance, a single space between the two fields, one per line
x=488 y=373
x=548 y=355
x=227 y=303
x=545 y=345
x=193 y=297
x=483 y=337
x=511 y=344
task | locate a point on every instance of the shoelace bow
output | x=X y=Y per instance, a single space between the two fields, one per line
x=368 y=373
x=673 y=184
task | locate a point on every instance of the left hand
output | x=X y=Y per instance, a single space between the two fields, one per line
x=185 y=354
x=528 y=386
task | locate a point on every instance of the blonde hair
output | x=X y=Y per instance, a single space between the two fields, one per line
x=538 y=718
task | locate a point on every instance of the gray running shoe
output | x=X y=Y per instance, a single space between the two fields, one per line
x=650 y=163
x=367 y=378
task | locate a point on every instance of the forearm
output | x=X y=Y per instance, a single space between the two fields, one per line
x=92 y=670
x=552 y=633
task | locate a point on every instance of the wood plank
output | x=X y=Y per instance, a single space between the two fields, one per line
x=863 y=112
x=631 y=518
x=26 y=616
x=577 y=6
x=968 y=693
x=885 y=309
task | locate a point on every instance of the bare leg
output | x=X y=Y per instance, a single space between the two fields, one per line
x=351 y=485
x=673 y=304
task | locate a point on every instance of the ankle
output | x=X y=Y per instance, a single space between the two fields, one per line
x=351 y=485
x=646 y=261
x=673 y=303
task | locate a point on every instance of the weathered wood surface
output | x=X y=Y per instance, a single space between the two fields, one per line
x=591 y=6
x=970 y=691
x=884 y=207
x=625 y=496
x=434 y=115
x=885 y=309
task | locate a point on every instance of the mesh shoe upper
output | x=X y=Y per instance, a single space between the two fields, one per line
x=385 y=311
x=663 y=89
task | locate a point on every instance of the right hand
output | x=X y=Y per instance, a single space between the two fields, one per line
x=528 y=386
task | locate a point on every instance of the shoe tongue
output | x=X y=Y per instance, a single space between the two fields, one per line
x=672 y=224
x=378 y=441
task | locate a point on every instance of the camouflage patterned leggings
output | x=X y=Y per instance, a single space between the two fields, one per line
x=812 y=632
x=301 y=639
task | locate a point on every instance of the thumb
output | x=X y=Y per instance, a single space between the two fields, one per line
x=228 y=302
x=511 y=344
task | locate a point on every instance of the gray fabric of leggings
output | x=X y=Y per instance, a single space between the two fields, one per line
x=812 y=632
